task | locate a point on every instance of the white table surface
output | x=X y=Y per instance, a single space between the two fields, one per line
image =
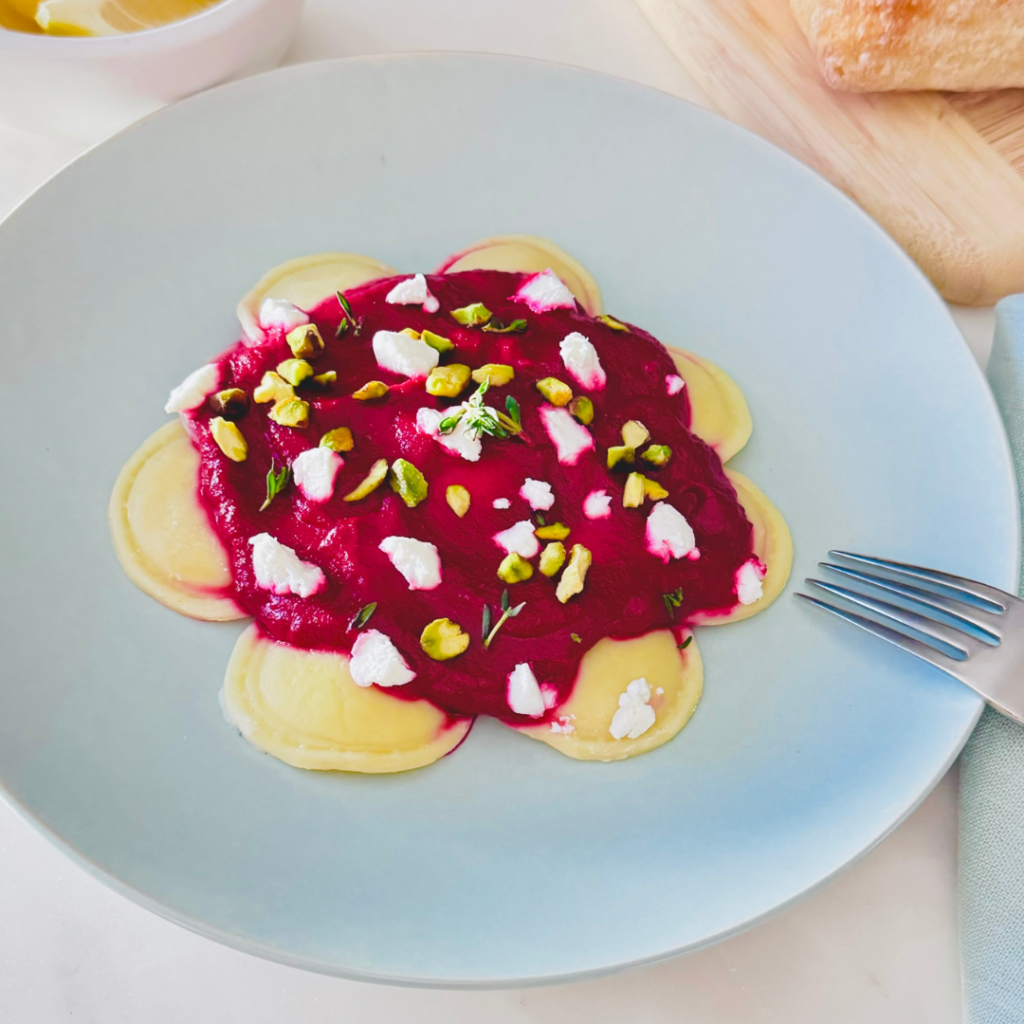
x=879 y=944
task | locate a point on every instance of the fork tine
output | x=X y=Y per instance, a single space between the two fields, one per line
x=942 y=635
x=969 y=615
x=958 y=585
x=907 y=643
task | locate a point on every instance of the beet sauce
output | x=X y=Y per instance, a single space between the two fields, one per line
x=623 y=594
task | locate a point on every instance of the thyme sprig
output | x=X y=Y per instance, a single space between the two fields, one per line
x=276 y=482
x=477 y=417
x=507 y=612
x=496 y=326
x=673 y=601
x=347 y=317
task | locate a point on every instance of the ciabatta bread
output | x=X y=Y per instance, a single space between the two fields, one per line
x=882 y=45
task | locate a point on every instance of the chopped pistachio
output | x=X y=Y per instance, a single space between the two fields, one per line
x=634 y=433
x=582 y=409
x=657 y=454
x=232 y=403
x=496 y=374
x=295 y=371
x=273 y=388
x=293 y=412
x=370 y=390
x=229 y=439
x=633 y=495
x=556 y=392
x=411 y=332
x=305 y=341
x=443 y=639
x=610 y=321
x=447 y=381
x=371 y=482
x=620 y=453
x=437 y=341
x=552 y=558
x=514 y=569
x=338 y=440
x=408 y=482
x=473 y=315
x=458 y=499
x=553 y=531
x=653 y=490
x=575 y=573
x=323 y=379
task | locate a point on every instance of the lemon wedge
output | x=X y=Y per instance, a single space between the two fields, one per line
x=111 y=17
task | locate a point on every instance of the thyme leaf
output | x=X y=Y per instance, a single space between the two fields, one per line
x=576 y=638
x=485 y=625
x=686 y=643
x=504 y=600
x=497 y=327
x=362 y=617
x=276 y=482
x=673 y=601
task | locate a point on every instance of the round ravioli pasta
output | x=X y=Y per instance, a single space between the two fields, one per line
x=161 y=534
x=304 y=709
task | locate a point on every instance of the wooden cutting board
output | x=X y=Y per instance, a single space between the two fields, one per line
x=942 y=173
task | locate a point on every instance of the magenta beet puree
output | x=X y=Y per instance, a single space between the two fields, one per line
x=623 y=595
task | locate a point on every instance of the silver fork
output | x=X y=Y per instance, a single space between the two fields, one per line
x=970 y=630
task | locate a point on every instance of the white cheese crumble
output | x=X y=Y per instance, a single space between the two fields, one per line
x=581 y=360
x=537 y=494
x=314 y=472
x=669 y=535
x=413 y=291
x=571 y=439
x=519 y=538
x=194 y=389
x=375 y=659
x=501 y=503
x=417 y=560
x=545 y=291
x=674 y=384
x=597 y=505
x=281 y=313
x=404 y=354
x=460 y=441
x=635 y=715
x=749 y=577
x=281 y=571
x=563 y=725
x=523 y=693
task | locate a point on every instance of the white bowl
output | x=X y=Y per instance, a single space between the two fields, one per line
x=86 y=88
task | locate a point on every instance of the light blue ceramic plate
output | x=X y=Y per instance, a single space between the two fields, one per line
x=505 y=863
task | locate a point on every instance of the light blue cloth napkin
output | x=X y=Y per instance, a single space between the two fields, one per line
x=992 y=776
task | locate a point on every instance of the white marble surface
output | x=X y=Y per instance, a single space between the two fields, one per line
x=879 y=944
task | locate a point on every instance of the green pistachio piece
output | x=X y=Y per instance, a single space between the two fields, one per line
x=371 y=482
x=447 y=381
x=437 y=341
x=295 y=371
x=583 y=409
x=610 y=321
x=338 y=440
x=232 y=403
x=372 y=389
x=555 y=391
x=514 y=569
x=472 y=315
x=443 y=639
x=553 y=531
x=229 y=439
x=633 y=495
x=657 y=454
x=634 y=433
x=305 y=341
x=408 y=482
x=552 y=558
x=496 y=374
x=411 y=331
x=653 y=490
x=273 y=388
x=620 y=453
x=575 y=573
x=323 y=379
x=458 y=499
x=293 y=412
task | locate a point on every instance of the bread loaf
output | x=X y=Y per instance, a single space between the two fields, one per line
x=883 y=45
